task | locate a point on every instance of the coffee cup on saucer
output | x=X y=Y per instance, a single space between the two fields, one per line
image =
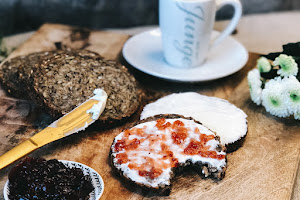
x=186 y=27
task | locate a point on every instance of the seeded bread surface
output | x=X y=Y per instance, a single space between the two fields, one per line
x=58 y=81
x=28 y=70
x=66 y=80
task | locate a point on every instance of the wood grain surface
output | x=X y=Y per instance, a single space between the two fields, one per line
x=265 y=167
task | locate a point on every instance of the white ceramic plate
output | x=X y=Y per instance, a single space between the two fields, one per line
x=144 y=52
x=96 y=179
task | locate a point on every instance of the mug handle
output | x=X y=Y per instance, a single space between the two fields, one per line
x=234 y=21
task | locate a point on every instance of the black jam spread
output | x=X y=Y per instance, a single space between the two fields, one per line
x=36 y=178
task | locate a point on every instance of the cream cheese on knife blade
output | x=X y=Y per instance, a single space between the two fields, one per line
x=98 y=108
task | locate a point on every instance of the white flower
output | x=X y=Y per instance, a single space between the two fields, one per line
x=263 y=64
x=255 y=84
x=297 y=116
x=292 y=94
x=287 y=64
x=273 y=98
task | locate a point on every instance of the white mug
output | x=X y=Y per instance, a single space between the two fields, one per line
x=186 y=28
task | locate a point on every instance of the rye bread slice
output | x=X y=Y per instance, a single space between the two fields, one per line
x=67 y=78
x=15 y=74
x=27 y=71
x=204 y=169
x=11 y=77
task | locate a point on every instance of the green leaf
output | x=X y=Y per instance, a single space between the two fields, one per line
x=3 y=50
x=291 y=49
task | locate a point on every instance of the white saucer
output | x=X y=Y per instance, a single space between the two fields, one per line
x=144 y=52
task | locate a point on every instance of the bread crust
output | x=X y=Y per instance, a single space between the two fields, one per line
x=231 y=147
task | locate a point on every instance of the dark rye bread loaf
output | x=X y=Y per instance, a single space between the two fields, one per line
x=204 y=169
x=58 y=81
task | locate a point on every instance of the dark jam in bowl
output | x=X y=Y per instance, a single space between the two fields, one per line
x=36 y=178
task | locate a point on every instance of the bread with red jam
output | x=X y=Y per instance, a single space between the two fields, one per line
x=151 y=152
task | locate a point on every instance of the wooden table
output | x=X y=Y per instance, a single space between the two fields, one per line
x=264 y=168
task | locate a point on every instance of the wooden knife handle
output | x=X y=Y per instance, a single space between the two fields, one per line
x=46 y=136
x=17 y=152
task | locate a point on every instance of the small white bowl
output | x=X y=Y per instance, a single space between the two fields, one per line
x=95 y=177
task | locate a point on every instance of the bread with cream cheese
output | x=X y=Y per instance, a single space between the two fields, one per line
x=150 y=153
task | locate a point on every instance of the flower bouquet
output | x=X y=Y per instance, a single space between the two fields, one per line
x=274 y=83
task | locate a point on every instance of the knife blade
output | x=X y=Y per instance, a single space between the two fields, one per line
x=76 y=120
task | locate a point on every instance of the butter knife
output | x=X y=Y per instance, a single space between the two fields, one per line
x=76 y=120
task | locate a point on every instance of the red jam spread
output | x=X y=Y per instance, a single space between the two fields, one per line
x=157 y=144
x=37 y=178
x=153 y=173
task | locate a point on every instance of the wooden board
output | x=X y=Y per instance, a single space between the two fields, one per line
x=264 y=168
